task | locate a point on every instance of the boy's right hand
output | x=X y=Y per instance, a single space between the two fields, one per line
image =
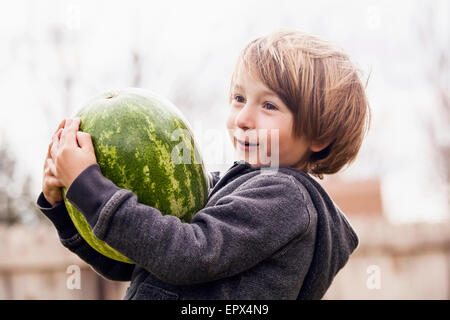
x=51 y=186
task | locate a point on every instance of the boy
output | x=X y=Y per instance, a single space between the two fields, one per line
x=260 y=236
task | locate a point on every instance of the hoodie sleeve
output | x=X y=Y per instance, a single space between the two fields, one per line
x=72 y=240
x=242 y=229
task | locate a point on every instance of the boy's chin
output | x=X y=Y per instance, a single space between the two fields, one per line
x=251 y=159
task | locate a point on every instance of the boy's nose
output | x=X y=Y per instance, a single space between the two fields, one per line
x=245 y=119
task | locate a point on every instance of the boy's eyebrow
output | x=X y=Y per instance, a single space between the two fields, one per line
x=264 y=91
x=238 y=87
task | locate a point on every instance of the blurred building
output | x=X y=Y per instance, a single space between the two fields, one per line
x=34 y=265
x=356 y=198
x=392 y=261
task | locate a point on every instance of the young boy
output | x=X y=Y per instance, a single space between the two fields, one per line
x=260 y=236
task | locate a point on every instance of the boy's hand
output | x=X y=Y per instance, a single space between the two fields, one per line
x=51 y=186
x=72 y=152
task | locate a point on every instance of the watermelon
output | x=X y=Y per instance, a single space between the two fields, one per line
x=144 y=144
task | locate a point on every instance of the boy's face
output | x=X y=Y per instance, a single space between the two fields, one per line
x=259 y=116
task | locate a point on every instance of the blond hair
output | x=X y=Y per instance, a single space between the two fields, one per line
x=322 y=88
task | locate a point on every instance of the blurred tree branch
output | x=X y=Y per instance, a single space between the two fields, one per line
x=17 y=204
x=435 y=39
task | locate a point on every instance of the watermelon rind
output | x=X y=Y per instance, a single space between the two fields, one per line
x=142 y=124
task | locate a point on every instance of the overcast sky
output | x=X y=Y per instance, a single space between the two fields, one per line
x=186 y=52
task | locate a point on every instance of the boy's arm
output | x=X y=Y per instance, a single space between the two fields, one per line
x=243 y=228
x=71 y=239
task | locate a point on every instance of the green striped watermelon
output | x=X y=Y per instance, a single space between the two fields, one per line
x=144 y=144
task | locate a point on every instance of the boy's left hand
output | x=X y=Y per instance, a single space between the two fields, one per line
x=72 y=152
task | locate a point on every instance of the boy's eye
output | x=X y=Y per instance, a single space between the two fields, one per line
x=270 y=106
x=239 y=98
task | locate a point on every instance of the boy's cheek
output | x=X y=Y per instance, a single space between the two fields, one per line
x=230 y=121
x=230 y=130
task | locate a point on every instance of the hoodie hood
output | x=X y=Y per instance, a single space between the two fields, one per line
x=335 y=239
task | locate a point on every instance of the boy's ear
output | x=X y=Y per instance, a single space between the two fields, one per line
x=316 y=147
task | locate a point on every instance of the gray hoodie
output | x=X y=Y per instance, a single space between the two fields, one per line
x=261 y=235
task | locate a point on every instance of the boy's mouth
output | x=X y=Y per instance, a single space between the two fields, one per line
x=245 y=144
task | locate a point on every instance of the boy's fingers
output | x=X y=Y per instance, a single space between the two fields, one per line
x=61 y=125
x=47 y=167
x=84 y=140
x=47 y=172
x=54 y=182
x=55 y=143
x=51 y=168
x=68 y=136
x=57 y=133
x=49 y=155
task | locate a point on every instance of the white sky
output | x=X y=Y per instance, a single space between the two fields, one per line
x=188 y=49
